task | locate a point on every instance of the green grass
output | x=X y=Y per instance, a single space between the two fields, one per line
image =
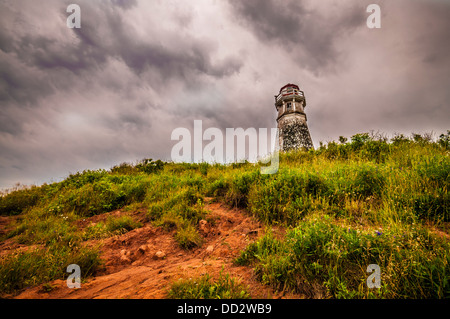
x=319 y=253
x=188 y=237
x=176 y=203
x=205 y=287
x=32 y=267
x=112 y=226
x=332 y=201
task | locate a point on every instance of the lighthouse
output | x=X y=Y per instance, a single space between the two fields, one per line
x=293 y=131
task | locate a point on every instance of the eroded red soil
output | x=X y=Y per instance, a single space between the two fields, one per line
x=132 y=270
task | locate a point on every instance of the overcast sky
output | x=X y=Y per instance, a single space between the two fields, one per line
x=114 y=90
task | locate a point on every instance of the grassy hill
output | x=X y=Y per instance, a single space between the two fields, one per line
x=343 y=206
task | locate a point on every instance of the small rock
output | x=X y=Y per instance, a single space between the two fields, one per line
x=124 y=252
x=248 y=231
x=209 y=249
x=125 y=259
x=203 y=226
x=159 y=255
x=142 y=249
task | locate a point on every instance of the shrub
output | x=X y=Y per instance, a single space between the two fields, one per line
x=124 y=168
x=432 y=206
x=149 y=166
x=17 y=201
x=437 y=169
x=375 y=150
x=399 y=139
x=240 y=186
x=358 y=140
x=369 y=181
x=80 y=179
x=170 y=221
x=188 y=237
x=103 y=195
x=217 y=188
x=444 y=140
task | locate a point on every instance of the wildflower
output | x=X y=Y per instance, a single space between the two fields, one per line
x=379 y=233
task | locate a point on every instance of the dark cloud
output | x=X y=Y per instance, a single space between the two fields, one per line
x=308 y=34
x=19 y=83
x=113 y=91
x=126 y=4
x=105 y=34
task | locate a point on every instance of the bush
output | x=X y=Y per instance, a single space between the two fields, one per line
x=124 y=169
x=170 y=221
x=444 y=140
x=432 y=207
x=369 y=181
x=149 y=166
x=103 y=195
x=17 y=201
x=437 y=169
x=358 y=140
x=80 y=179
x=240 y=186
x=188 y=237
x=375 y=150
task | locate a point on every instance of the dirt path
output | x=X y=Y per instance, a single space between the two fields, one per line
x=133 y=271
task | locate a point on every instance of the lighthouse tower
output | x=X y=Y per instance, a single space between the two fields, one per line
x=291 y=119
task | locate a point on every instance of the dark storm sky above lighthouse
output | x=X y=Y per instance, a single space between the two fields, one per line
x=113 y=91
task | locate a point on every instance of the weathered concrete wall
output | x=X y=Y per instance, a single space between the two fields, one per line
x=293 y=132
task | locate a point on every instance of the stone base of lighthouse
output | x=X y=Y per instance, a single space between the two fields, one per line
x=293 y=133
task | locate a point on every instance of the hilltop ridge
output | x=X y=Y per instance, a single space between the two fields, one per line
x=157 y=229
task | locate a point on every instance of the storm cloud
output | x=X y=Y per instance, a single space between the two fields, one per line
x=115 y=89
x=309 y=33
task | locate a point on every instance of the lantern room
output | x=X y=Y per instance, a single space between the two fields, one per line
x=290 y=99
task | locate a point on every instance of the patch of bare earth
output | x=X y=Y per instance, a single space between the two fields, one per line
x=145 y=261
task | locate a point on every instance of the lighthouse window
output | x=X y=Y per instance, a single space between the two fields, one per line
x=289 y=105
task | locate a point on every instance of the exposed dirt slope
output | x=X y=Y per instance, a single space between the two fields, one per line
x=133 y=271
